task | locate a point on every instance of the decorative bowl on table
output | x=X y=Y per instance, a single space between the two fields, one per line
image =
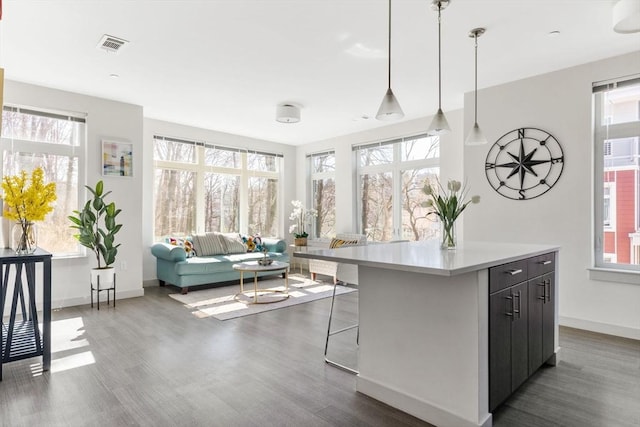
x=265 y=261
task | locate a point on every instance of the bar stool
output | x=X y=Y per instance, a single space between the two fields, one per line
x=331 y=333
x=346 y=274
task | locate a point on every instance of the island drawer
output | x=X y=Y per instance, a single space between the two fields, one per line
x=505 y=275
x=541 y=264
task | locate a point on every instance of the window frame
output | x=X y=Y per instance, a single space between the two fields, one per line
x=200 y=168
x=603 y=133
x=9 y=143
x=396 y=167
x=315 y=176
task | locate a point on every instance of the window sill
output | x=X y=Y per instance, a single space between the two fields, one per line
x=618 y=276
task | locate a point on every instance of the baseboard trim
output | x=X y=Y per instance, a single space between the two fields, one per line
x=150 y=283
x=71 y=302
x=416 y=407
x=602 y=328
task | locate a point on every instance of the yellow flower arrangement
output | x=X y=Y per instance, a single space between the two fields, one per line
x=24 y=203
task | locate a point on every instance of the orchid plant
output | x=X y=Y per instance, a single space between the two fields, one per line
x=301 y=217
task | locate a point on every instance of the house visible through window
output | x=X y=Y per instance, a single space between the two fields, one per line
x=617 y=174
x=54 y=141
x=205 y=187
x=391 y=175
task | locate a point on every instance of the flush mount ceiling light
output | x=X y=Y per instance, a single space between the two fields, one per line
x=439 y=124
x=626 y=16
x=475 y=136
x=389 y=108
x=287 y=113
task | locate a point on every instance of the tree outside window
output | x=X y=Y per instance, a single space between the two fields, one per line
x=391 y=175
x=201 y=187
x=53 y=141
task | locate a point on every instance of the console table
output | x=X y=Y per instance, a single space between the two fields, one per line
x=23 y=338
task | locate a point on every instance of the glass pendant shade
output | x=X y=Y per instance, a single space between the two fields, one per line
x=389 y=108
x=439 y=124
x=475 y=136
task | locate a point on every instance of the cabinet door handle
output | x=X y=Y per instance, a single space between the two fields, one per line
x=514 y=272
x=547 y=262
x=519 y=310
x=544 y=290
x=547 y=293
x=507 y=313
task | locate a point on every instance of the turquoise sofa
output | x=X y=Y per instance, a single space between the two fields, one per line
x=174 y=268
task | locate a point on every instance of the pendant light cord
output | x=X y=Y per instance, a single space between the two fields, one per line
x=475 y=114
x=389 y=47
x=439 y=60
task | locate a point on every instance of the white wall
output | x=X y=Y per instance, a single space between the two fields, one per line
x=560 y=103
x=157 y=127
x=105 y=120
x=346 y=197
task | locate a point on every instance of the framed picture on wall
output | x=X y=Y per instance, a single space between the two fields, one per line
x=117 y=158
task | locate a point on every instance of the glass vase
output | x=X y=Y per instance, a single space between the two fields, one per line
x=24 y=237
x=448 y=234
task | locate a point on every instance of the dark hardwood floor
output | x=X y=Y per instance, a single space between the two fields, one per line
x=149 y=362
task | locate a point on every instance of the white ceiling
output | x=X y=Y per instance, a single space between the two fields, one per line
x=226 y=64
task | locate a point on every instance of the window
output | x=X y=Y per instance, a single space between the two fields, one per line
x=391 y=175
x=617 y=174
x=204 y=187
x=323 y=193
x=53 y=141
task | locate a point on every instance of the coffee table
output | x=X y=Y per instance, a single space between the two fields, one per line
x=255 y=268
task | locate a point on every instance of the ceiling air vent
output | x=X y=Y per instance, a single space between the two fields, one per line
x=111 y=44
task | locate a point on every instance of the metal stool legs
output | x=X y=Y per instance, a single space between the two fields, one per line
x=331 y=333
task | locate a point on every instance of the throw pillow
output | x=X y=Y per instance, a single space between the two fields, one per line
x=233 y=244
x=253 y=243
x=209 y=244
x=185 y=243
x=336 y=243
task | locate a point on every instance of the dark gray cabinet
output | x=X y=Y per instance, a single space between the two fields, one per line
x=541 y=310
x=521 y=323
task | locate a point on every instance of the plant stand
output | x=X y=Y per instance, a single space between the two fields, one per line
x=99 y=289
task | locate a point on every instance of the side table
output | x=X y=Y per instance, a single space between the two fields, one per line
x=255 y=268
x=295 y=260
x=23 y=338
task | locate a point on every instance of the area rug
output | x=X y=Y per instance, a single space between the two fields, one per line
x=222 y=304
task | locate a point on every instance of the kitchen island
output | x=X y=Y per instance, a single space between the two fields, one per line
x=424 y=322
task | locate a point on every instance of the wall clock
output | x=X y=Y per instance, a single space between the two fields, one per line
x=524 y=163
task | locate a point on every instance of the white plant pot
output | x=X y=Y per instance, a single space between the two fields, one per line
x=107 y=276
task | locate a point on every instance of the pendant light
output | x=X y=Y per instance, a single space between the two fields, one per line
x=389 y=108
x=439 y=124
x=475 y=136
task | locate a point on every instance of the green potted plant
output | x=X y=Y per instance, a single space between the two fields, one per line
x=97 y=227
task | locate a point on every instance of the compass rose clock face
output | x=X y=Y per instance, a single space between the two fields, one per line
x=524 y=163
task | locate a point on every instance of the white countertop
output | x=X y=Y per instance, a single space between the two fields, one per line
x=427 y=257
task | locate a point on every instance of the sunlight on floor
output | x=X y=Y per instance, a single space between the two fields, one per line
x=68 y=335
x=73 y=361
